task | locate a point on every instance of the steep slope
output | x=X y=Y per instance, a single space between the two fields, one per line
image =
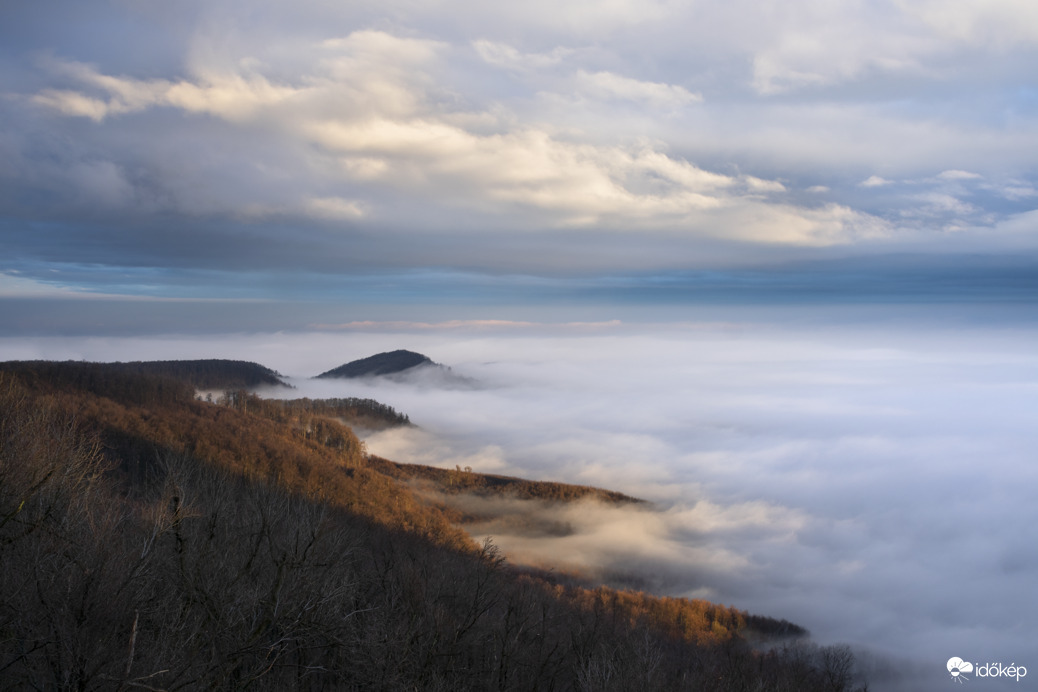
x=355 y=412
x=154 y=541
x=490 y=485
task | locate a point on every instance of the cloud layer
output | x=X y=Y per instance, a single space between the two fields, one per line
x=828 y=475
x=867 y=478
x=670 y=135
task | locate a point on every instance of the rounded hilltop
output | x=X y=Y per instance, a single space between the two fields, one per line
x=388 y=363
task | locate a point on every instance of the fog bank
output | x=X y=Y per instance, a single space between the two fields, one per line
x=870 y=482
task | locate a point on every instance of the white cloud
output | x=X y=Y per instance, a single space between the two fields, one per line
x=758 y=185
x=502 y=119
x=815 y=45
x=997 y=23
x=1024 y=224
x=1017 y=191
x=371 y=73
x=379 y=48
x=824 y=44
x=607 y=85
x=953 y=174
x=508 y=57
x=335 y=208
x=231 y=96
x=368 y=101
x=74 y=103
x=818 y=471
x=875 y=181
x=941 y=203
x=578 y=184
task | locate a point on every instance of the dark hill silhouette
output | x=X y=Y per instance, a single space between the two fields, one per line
x=387 y=363
x=404 y=367
x=210 y=373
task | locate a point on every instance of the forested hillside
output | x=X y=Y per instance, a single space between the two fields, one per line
x=150 y=540
x=458 y=480
x=210 y=373
x=380 y=364
x=353 y=411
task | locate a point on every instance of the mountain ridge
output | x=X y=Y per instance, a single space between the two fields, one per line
x=385 y=363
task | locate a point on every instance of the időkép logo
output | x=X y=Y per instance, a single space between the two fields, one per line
x=960 y=670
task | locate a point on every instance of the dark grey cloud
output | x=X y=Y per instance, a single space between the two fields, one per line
x=255 y=295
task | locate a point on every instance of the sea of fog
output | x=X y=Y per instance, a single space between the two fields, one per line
x=871 y=479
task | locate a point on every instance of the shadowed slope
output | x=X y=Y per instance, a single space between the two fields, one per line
x=379 y=364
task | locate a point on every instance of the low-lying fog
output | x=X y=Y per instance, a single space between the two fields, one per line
x=873 y=483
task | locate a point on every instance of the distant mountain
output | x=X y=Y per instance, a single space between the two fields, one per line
x=403 y=366
x=388 y=363
x=145 y=378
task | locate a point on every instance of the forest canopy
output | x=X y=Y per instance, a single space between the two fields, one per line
x=152 y=540
x=379 y=364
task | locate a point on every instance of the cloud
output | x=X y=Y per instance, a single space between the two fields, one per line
x=11 y=285
x=584 y=18
x=620 y=138
x=1017 y=191
x=508 y=57
x=1022 y=224
x=369 y=104
x=758 y=185
x=231 y=96
x=859 y=40
x=613 y=86
x=907 y=39
x=75 y=103
x=934 y=203
x=605 y=541
x=815 y=466
x=875 y=181
x=577 y=184
x=463 y=324
x=415 y=446
x=102 y=182
x=335 y=208
x=953 y=174
x=1000 y=23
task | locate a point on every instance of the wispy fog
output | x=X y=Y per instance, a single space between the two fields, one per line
x=872 y=482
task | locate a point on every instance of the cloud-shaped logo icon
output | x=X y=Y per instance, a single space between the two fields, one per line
x=956 y=666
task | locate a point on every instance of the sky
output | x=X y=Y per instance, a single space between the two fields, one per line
x=771 y=266
x=272 y=164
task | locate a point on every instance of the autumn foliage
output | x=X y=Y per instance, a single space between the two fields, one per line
x=150 y=540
